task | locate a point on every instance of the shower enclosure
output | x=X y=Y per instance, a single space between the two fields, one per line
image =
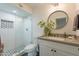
x=15 y=28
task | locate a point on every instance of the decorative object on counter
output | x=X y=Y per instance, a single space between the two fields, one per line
x=75 y=23
x=77 y=32
x=64 y=35
x=59 y=17
x=48 y=26
x=70 y=37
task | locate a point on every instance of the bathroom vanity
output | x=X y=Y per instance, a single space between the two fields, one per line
x=64 y=44
x=56 y=46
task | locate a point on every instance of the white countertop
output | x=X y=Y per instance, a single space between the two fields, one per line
x=61 y=40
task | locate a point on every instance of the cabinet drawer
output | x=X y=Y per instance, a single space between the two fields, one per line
x=59 y=52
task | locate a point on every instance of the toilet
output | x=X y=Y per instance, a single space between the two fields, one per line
x=29 y=50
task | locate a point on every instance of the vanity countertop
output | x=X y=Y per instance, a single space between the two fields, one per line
x=74 y=42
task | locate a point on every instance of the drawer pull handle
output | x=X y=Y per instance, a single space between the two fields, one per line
x=52 y=50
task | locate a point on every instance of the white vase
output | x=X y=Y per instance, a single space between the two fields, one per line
x=77 y=32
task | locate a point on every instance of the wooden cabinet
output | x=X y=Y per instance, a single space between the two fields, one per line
x=48 y=48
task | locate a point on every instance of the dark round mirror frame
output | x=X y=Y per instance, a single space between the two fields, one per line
x=56 y=12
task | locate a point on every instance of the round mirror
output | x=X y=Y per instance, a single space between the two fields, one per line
x=60 y=18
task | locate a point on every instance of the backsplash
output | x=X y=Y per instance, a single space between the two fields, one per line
x=65 y=35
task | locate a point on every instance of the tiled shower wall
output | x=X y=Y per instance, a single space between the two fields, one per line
x=12 y=38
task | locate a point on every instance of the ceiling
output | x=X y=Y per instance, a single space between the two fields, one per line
x=13 y=9
x=41 y=4
x=10 y=7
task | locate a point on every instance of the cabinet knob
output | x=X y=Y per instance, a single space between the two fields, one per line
x=54 y=50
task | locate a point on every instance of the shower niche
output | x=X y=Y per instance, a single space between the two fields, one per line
x=6 y=24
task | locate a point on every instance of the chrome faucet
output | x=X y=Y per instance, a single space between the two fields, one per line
x=65 y=35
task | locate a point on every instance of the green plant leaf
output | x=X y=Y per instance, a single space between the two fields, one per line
x=48 y=26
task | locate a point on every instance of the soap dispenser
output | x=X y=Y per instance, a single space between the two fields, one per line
x=77 y=34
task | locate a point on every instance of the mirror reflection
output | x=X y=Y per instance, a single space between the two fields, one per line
x=60 y=18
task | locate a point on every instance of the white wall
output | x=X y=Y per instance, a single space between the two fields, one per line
x=27 y=30
x=36 y=30
x=19 y=33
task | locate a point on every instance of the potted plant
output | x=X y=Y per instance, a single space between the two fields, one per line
x=48 y=26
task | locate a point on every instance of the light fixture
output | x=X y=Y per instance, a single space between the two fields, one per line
x=20 y=5
x=56 y=4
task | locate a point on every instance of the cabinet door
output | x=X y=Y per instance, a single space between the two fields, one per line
x=46 y=51
x=76 y=51
x=58 y=52
x=58 y=49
